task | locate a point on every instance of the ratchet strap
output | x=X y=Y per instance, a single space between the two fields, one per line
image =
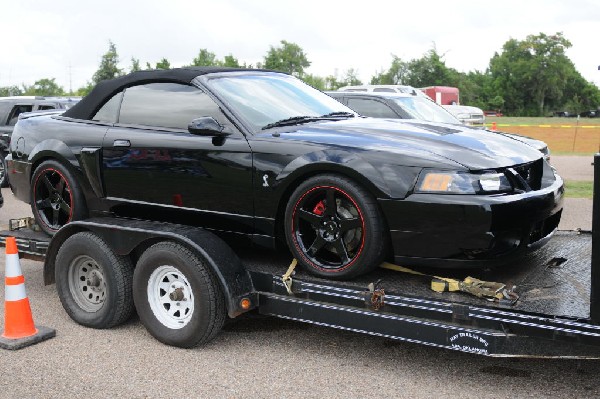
x=23 y=223
x=494 y=292
x=287 y=277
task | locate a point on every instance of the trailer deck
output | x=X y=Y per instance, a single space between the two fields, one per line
x=550 y=319
x=554 y=281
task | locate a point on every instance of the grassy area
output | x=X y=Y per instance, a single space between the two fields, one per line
x=563 y=135
x=579 y=189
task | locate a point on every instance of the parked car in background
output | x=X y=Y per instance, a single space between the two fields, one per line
x=472 y=116
x=493 y=113
x=562 y=114
x=384 y=89
x=468 y=115
x=12 y=107
x=394 y=105
x=412 y=106
x=591 y=113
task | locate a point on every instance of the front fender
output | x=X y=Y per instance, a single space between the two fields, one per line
x=335 y=161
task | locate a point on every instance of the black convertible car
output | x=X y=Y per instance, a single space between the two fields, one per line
x=260 y=154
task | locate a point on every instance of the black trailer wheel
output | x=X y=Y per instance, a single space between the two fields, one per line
x=334 y=227
x=94 y=284
x=56 y=198
x=177 y=297
x=3 y=172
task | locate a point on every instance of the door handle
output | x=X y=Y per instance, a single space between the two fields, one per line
x=121 y=143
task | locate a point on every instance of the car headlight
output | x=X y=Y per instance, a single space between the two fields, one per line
x=463 y=116
x=463 y=182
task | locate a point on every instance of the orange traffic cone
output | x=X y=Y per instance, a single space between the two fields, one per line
x=19 y=330
x=494 y=126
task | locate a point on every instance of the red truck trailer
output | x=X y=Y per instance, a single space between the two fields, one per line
x=443 y=95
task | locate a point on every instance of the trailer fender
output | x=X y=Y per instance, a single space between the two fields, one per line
x=131 y=237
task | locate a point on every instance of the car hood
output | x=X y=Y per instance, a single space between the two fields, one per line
x=468 y=147
x=537 y=144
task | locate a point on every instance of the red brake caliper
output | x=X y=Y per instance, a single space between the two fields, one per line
x=319 y=208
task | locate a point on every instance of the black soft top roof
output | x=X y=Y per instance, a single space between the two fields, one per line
x=90 y=104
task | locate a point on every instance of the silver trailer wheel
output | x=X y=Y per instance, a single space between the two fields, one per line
x=87 y=283
x=170 y=297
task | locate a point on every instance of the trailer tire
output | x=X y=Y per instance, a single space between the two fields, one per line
x=177 y=297
x=93 y=282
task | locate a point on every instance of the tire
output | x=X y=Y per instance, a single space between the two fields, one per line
x=3 y=172
x=94 y=284
x=56 y=197
x=177 y=297
x=341 y=242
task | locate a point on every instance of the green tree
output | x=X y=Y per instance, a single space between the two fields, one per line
x=205 y=58
x=109 y=65
x=135 y=65
x=397 y=74
x=230 y=61
x=532 y=74
x=315 y=81
x=44 y=87
x=8 y=91
x=163 y=64
x=289 y=58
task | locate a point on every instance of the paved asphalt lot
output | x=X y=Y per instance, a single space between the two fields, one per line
x=267 y=357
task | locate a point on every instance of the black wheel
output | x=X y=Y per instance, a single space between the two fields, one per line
x=3 y=172
x=177 y=297
x=334 y=227
x=94 y=284
x=56 y=198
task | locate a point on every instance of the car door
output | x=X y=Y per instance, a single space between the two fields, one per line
x=151 y=163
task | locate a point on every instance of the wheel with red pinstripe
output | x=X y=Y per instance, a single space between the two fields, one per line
x=56 y=198
x=334 y=227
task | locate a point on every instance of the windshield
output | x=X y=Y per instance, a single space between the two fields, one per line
x=264 y=99
x=426 y=110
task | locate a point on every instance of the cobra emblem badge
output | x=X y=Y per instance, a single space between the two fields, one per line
x=265 y=182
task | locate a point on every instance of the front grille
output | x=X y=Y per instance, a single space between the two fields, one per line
x=531 y=173
x=544 y=228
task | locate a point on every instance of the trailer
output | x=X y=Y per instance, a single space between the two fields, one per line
x=186 y=281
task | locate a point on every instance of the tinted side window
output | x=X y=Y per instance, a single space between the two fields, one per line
x=43 y=107
x=372 y=108
x=168 y=105
x=110 y=110
x=16 y=111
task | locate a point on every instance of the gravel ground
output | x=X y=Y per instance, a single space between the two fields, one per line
x=267 y=357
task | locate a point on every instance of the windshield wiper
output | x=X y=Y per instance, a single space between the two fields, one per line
x=339 y=114
x=294 y=120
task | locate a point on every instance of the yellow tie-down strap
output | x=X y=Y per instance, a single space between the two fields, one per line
x=495 y=292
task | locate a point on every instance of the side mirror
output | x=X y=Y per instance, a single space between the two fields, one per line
x=207 y=126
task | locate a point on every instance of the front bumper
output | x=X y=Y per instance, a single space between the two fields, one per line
x=471 y=230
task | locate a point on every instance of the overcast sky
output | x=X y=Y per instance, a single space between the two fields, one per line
x=65 y=39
